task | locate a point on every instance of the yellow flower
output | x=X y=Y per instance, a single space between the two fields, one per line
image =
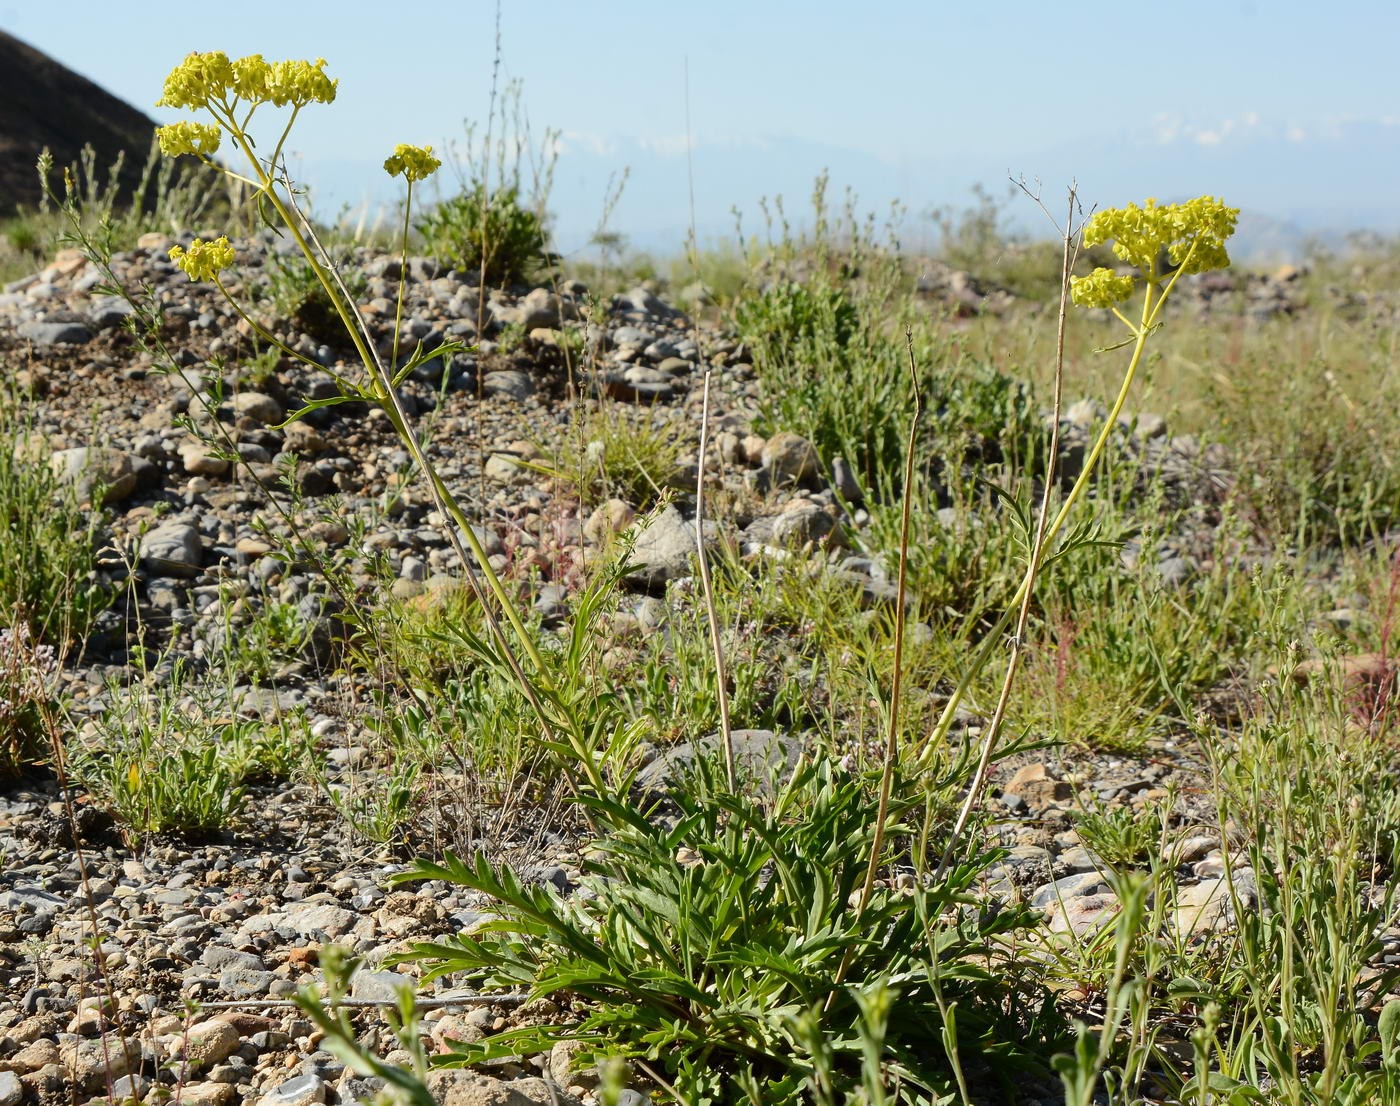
x=197 y=80
x=205 y=80
x=188 y=138
x=250 y=77
x=1101 y=288
x=1193 y=233
x=299 y=83
x=203 y=260
x=414 y=162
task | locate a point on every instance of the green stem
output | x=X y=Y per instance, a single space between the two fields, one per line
x=945 y=721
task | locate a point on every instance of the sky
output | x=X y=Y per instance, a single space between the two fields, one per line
x=1288 y=109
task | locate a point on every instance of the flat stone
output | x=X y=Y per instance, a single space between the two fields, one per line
x=172 y=549
x=11 y=1089
x=55 y=334
x=1079 y=885
x=88 y=468
x=1034 y=783
x=208 y=1043
x=301 y=1091
x=756 y=754
x=789 y=458
x=508 y=382
x=262 y=408
x=665 y=548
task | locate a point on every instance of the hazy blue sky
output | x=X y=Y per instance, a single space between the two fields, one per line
x=1290 y=108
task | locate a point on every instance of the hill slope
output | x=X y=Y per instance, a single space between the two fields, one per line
x=47 y=104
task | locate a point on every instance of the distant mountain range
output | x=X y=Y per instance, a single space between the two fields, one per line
x=1296 y=182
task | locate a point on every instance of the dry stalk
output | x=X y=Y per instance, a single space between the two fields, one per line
x=1037 y=553
x=721 y=677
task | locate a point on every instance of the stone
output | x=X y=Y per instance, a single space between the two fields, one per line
x=805 y=524
x=379 y=985
x=469 y=1088
x=607 y=521
x=300 y=1091
x=172 y=549
x=789 y=458
x=207 y=1043
x=541 y=308
x=259 y=407
x=91 y=1062
x=508 y=382
x=664 y=548
x=1034 y=783
x=208 y=1094
x=88 y=468
x=1149 y=427
x=756 y=754
x=199 y=459
x=1069 y=887
x=305 y=919
x=55 y=334
x=11 y=1089
x=844 y=482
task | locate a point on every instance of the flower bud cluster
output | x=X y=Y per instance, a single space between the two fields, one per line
x=212 y=80
x=201 y=139
x=414 y=162
x=203 y=260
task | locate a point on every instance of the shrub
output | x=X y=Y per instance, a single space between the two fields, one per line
x=26 y=689
x=478 y=230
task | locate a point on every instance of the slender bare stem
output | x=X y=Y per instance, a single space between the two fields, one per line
x=721 y=677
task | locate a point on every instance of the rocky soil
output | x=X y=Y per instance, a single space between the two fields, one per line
x=239 y=920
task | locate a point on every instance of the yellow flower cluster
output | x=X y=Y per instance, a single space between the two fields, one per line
x=1193 y=233
x=203 y=260
x=414 y=162
x=1101 y=288
x=188 y=138
x=211 y=79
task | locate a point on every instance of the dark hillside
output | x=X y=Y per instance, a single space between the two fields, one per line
x=43 y=103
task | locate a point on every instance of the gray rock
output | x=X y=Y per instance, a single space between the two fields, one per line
x=789 y=458
x=508 y=382
x=89 y=467
x=172 y=549
x=108 y=311
x=843 y=480
x=1069 y=887
x=11 y=1089
x=301 y=1091
x=665 y=548
x=199 y=459
x=756 y=754
x=378 y=985
x=55 y=334
x=541 y=308
x=219 y=957
x=259 y=407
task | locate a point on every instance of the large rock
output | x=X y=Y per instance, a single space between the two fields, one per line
x=172 y=549
x=88 y=468
x=756 y=754
x=208 y=1043
x=469 y=1088
x=541 y=308
x=258 y=407
x=665 y=548
x=55 y=334
x=789 y=458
